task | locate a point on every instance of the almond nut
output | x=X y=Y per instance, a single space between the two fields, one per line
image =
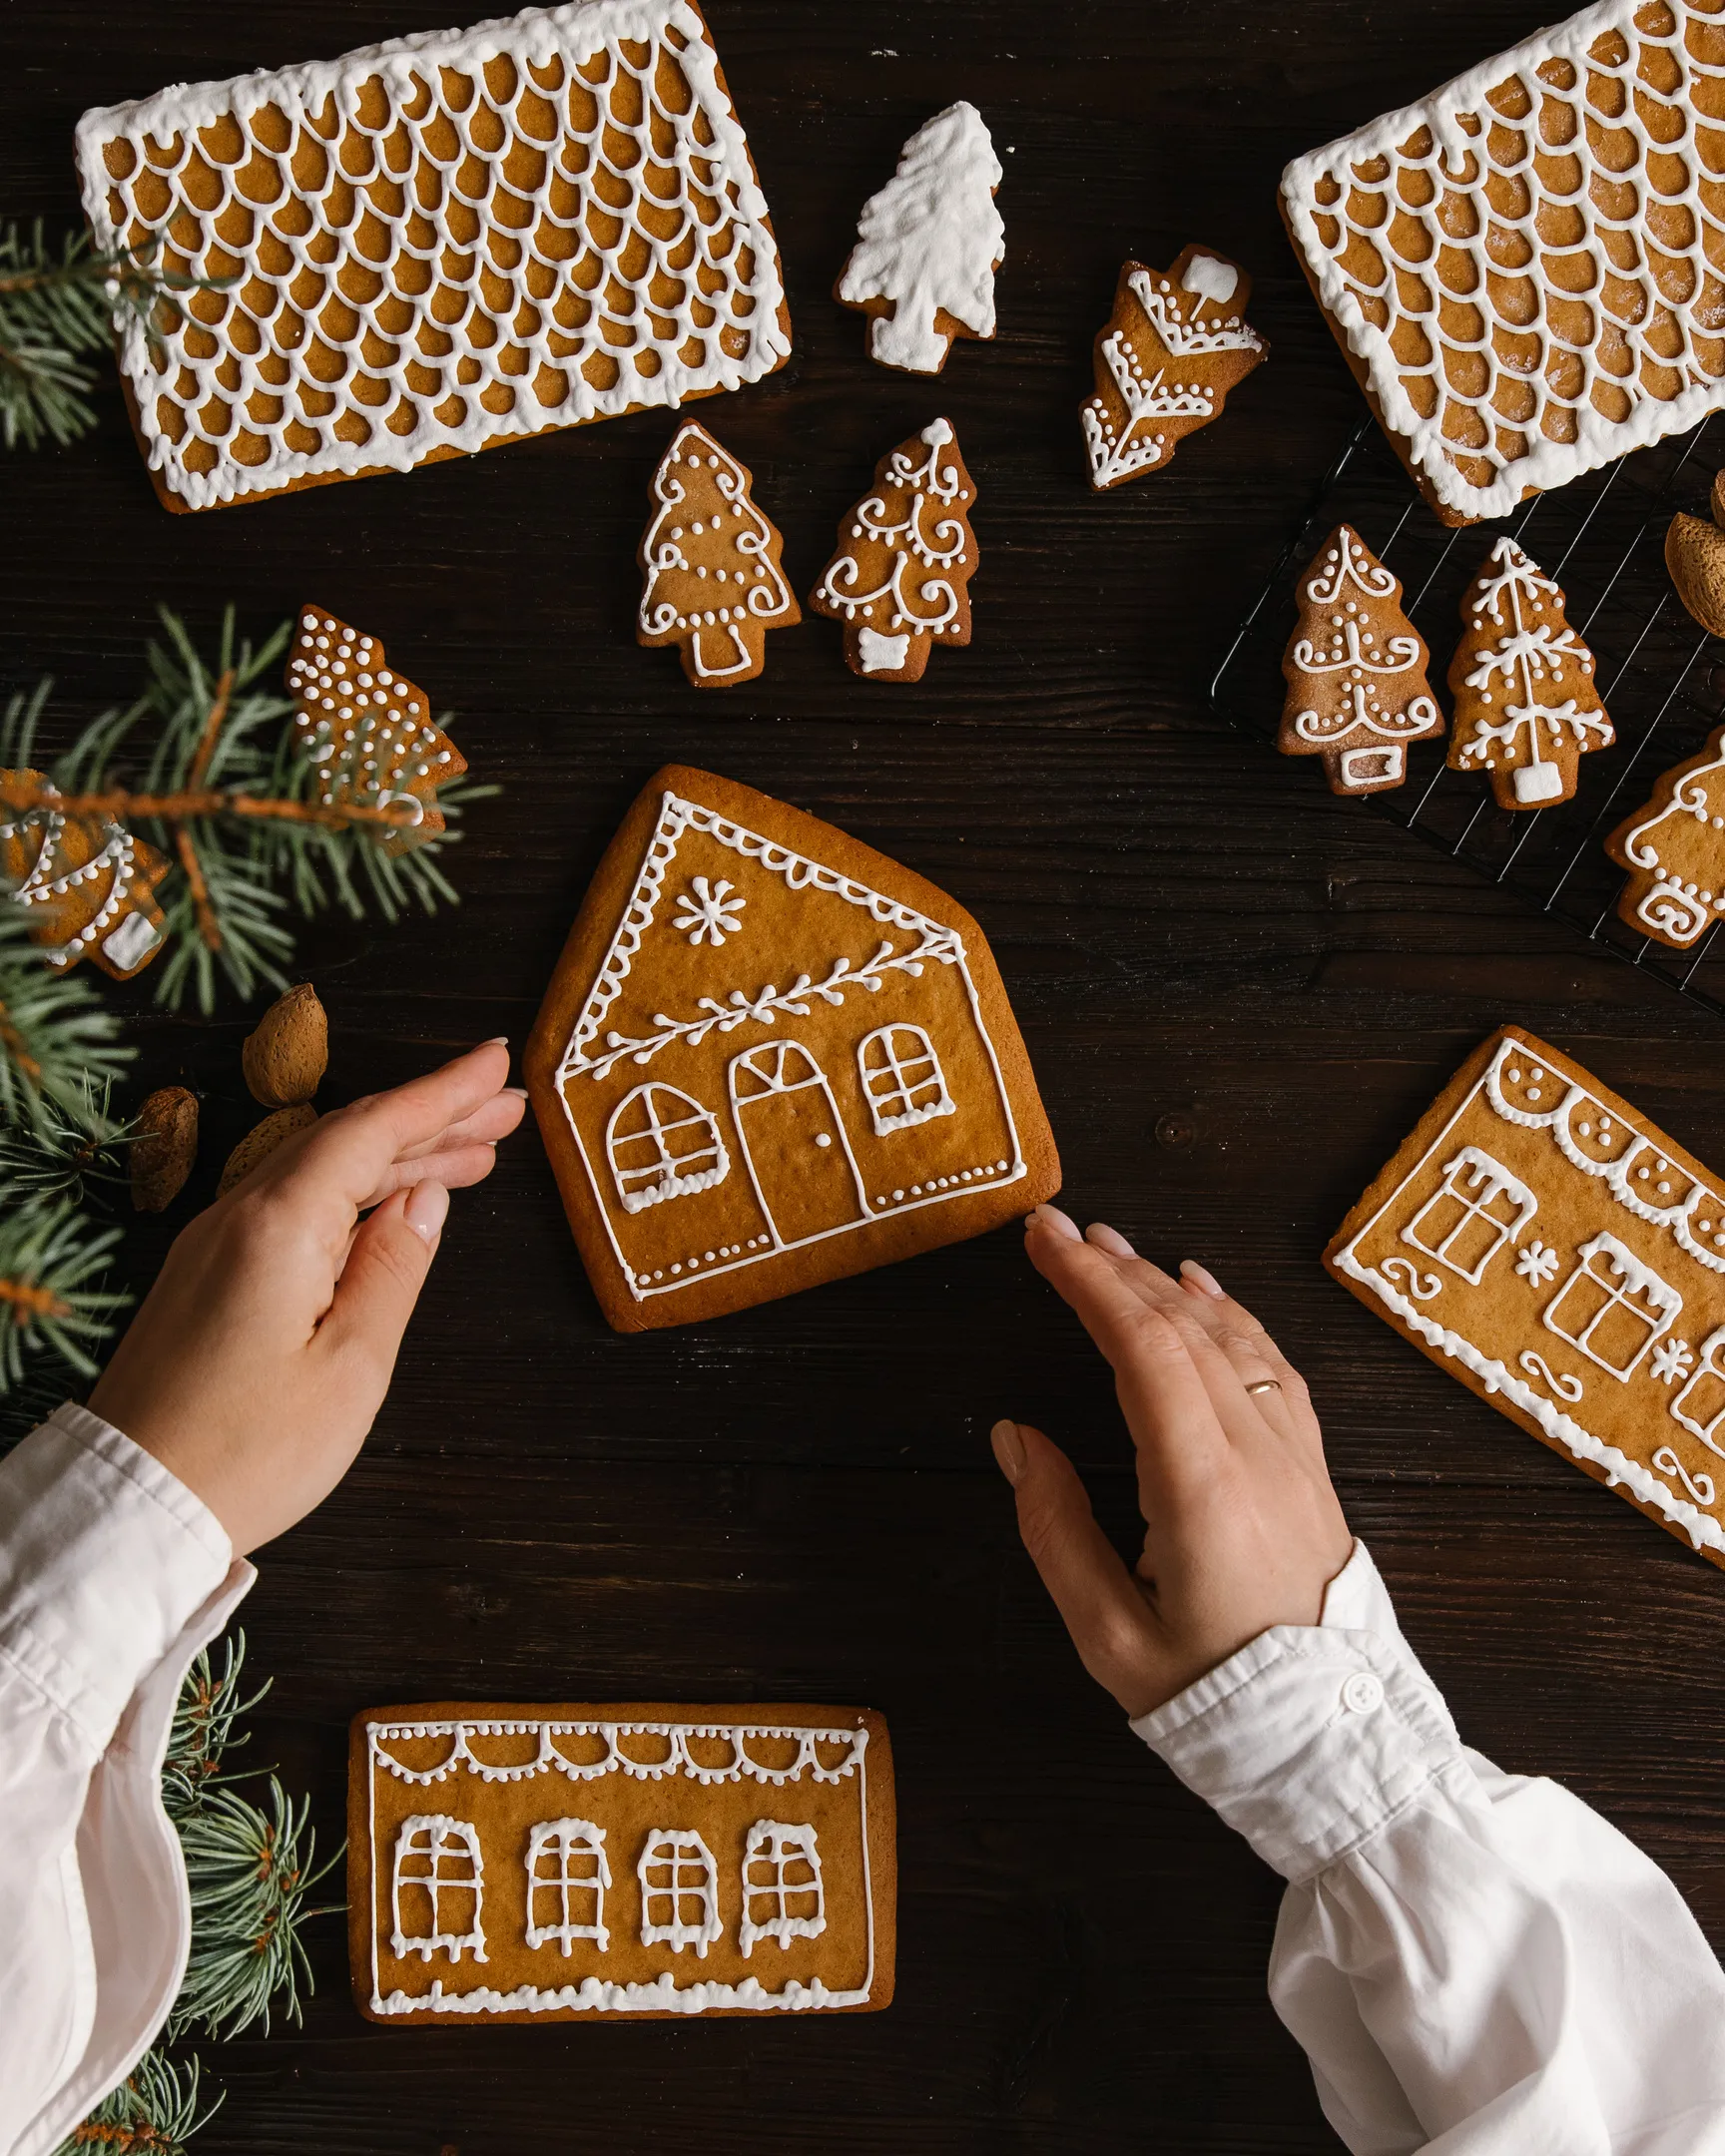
x=164 y=1146
x=258 y=1145
x=1695 y=556
x=285 y=1058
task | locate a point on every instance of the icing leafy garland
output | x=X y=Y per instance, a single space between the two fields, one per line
x=1509 y=360
x=440 y=281
x=929 y=244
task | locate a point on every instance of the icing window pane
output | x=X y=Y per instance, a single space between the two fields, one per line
x=1612 y=1306
x=902 y=1078
x=782 y=1896
x=437 y=1887
x=1480 y=1207
x=679 y=1892
x=567 y=1874
x=663 y=1144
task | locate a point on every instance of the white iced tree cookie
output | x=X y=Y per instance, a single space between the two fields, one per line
x=1526 y=707
x=928 y=244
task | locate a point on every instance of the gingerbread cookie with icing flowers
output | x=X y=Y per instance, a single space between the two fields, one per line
x=435 y=245
x=928 y=244
x=902 y=575
x=366 y=730
x=1356 y=671
x=1674 y=849
x=1543 y=1240
x=1520 y=268
x=772 y=1057
x=1166 y=358
x=585 y=1863
x=1526 y=707
x=86 y=885
x=713 y=582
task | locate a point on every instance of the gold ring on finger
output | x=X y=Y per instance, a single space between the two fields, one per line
x=1266 y=1385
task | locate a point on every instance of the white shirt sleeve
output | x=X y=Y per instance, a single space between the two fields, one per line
x=112 y=1576
x=1476 y=1963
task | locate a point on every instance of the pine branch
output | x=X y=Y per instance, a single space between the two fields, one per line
x=154 y=2113
x=50 y=1259
x=54 y=1033
x=203 y=1734
x=74 y=1146
x=58 y=307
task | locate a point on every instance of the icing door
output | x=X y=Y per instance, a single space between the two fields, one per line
x=798 y=1154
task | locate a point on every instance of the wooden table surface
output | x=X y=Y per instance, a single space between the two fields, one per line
x=1237 y=992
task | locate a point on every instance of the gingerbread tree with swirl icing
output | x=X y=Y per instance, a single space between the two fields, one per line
x=902 y=575
x=1356 y=671
x=1674 y=849
x=711 y=579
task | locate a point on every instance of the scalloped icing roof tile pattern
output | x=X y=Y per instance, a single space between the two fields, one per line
x=1529 y=263
x=438 y=243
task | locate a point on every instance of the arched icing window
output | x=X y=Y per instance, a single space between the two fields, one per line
x=567 y=1876
x=679 y=1892
x=782 y=1896
x=902 y=1078
x=663 y=1144
x=437 y=1887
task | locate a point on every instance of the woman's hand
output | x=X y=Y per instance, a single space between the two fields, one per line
x=257 y=1361
x=1242 y=1528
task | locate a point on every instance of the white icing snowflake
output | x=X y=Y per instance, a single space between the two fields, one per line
x=1672 y=1359
x=708 y=913
x=1538 y=1263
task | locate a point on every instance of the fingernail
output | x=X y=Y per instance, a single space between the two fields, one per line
x=520 y=1092
x=1192 y=1271
x=1110 y=1239
x=497 y=1040
x=1051 y=1217
x=1008 y=1448
x=427 y=1210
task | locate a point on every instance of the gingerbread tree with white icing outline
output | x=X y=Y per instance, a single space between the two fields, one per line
x=85 y=884
x=907 y=554
x=1674 y=849
x=928 y=244
x=1356 y=671
x=713 y=578
x=1526 y=707
x=1166 y=358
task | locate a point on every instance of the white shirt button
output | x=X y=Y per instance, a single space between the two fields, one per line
x=1363 y=1693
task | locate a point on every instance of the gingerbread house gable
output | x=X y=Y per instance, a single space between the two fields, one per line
x=768 y=1055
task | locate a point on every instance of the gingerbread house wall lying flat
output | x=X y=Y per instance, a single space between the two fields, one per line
x=438 y=243
x=1523 y=266
x=576 y=1863
x=757 y=1070
x=1553 y=1249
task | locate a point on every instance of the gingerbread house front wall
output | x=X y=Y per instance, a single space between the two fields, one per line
x=786 y=1057
x=1576 y=1270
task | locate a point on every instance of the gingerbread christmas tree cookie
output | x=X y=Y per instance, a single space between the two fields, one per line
x=900 y=577
x=1526 y=706
x=711 y=579
x=1674 y=849
x=1166 y=358
x=772 y=1057
x=366 y=730
x=1356 y=671
x=86 y=883
x=580 y=1862
x=928 y=244
x=1547 y=1244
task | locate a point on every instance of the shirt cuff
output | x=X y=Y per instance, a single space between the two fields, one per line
x=106 y=1559
x=1312 y=1738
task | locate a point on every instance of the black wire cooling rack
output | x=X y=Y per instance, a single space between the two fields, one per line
x=1661 y=677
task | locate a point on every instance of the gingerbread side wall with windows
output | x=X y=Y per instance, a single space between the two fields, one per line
x=1545 y=1243
x=772 y=1057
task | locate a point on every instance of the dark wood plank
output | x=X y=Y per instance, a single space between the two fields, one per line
x=1237 y=994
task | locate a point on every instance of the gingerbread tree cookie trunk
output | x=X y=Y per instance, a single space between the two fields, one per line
x=87 y=884
x=771 y=1057
x=367 y=731
x=928 y=245
x=1674 y=849
x=1166 y=358
x=713 y=579
x=1526 y=707
x=1356 y=671
x=907 y=554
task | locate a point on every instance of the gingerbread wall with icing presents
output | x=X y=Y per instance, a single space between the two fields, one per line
x=773 y=1055
x=1560 y=1255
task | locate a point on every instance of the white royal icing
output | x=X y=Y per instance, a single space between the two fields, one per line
x=1512 y=664
x=913 y=599
x=425 y=274
x=881 y=653
x=1368 y=663
x=752 y=588
x=1116 y=451
x=930 y=240
x=773 y=1851
x=48 y=878
x=1622 y=221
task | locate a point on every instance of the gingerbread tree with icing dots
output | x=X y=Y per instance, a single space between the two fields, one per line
x=1356 y=671
x=1674 y=849
x=1526 y=706
x=713 y=580
x=86 y=884
x=902 y=575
